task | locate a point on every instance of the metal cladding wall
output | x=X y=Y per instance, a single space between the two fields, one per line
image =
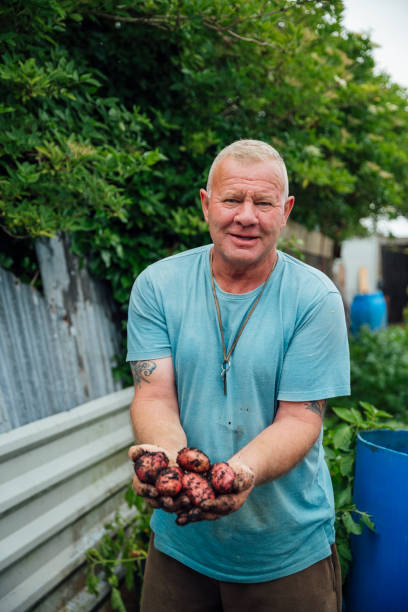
x=56 y=350
x=61 y=479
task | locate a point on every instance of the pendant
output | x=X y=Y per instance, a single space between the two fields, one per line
x=225 y=366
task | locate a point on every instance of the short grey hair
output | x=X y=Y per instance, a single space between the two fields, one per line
x=253 y=150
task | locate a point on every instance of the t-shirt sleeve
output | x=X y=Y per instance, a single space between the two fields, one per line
x=147 y=333
x=317 y=363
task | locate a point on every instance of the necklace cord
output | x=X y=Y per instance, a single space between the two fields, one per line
x=217 y=306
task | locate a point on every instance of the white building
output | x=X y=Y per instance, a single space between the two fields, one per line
x=379 y=261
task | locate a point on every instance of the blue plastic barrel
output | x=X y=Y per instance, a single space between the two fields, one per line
x=378 y=578
x=368 y=309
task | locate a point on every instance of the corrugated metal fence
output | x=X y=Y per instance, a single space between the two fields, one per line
x=56 y=350
x=62 y=479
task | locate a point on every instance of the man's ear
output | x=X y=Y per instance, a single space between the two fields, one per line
x=287 y=207
x=204 y=203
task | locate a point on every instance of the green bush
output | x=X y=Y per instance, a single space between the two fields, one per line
x=379 y=370
x=111 y=113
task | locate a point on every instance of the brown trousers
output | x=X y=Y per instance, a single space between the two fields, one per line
x=170 y=586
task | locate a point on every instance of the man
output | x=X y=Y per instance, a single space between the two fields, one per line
x=235 y=348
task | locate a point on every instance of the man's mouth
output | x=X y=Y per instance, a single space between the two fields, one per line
x=247 y=238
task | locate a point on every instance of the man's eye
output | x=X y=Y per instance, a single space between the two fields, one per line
x=264 y=204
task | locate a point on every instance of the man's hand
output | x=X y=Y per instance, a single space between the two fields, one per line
x=213 y=509
x=137 y=451
x=149 y=491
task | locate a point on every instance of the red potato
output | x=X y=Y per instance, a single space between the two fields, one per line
x=148 y=466
x=193 y=460
x=197 y=488
x=169 y=481
x=222 y=477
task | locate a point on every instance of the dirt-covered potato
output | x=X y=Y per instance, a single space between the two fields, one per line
x=193 y=460
x=148 y=466
x=222 y=477
x=169 y=481
x=197 y=488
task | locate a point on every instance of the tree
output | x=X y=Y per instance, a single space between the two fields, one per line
x=112 y=112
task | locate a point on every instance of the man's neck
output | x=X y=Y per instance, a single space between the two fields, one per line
x=241 y=278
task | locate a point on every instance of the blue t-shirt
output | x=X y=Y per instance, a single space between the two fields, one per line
x=293 y=348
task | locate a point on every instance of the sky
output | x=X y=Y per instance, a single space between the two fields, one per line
x=386 y=22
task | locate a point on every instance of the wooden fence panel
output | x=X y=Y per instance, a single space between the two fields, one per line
x=316 y=247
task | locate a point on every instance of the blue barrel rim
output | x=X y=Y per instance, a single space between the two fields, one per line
x=375 y=445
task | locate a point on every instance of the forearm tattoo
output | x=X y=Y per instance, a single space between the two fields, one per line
x=141 y=370
x=317 y=406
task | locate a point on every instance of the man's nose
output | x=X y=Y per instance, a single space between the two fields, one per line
x=246 y=213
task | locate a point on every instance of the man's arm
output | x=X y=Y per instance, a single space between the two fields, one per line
x=282 y=445
x=156 y=422
x=154 y=410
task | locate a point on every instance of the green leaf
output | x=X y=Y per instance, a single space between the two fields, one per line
x=350 y=524
x=365 y=518
x=116 y=600
x=383 y=413
x=346 y=414
x=368 y=408
x=92 y=583
x=130 y=497
x=343 y=436
x=343 y=549
x=113 y=580
x=359 y=419
x=343 y=497
x=5 y=261
x=329 y=453
x=347 y=464
x=106 y=257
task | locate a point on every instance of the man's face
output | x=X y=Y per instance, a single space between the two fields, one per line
x=245 y=211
